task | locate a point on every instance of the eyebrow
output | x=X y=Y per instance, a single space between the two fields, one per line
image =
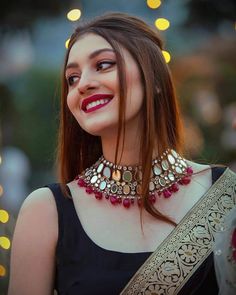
x=91 y=56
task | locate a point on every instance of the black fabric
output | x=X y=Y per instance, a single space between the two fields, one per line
x=84 y=268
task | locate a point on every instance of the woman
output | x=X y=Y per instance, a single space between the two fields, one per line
x=130 y=216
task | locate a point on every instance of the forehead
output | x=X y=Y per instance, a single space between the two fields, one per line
x=86 y=44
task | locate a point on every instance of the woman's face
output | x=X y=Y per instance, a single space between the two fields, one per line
x=93 y=86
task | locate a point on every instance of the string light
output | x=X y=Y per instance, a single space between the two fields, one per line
x=74 y=15
x=4 y=216
x=5 y=243
x=2 y=271
x=67 y=43
x=166 y=56
x=153 y=3
x=162 y=24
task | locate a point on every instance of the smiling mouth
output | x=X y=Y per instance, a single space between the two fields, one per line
x=95 y=102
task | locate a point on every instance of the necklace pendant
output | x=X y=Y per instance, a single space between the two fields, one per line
x=167 y=193
x=126 y=203
x=98 y=195
x=152 y=198
x=113 y=200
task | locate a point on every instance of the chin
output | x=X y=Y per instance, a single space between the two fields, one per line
x=101 y=129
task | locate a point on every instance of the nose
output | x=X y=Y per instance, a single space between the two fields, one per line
x=87 y=82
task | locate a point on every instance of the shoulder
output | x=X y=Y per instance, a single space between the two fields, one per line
x=38 y=212
x=39 y=200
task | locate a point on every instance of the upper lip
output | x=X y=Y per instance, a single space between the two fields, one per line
x=93 y=98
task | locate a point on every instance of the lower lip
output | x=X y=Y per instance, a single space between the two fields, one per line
x=96 y=107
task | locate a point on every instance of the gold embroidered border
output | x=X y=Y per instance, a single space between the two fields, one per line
x=183 y=251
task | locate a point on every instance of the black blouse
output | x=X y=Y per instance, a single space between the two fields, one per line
x=84 y=268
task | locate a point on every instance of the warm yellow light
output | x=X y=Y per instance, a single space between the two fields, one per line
x=162 y=24
x=4 y=216
x=67 y=43
x=153 y=3
x=2 y=271
x=5 y=243
x=166 y=56
x=0 y=160
x=74 y=15
x=1 y=190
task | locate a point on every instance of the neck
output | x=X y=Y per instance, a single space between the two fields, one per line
x=129 y=153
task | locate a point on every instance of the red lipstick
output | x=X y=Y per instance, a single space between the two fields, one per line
x=93 y=98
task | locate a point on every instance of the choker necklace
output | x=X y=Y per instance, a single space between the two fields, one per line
x=122 y=184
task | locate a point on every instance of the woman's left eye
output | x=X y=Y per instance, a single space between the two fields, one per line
x=103 y=65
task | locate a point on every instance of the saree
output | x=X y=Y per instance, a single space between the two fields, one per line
x=178 y=257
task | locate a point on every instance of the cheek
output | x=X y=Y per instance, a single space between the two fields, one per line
x=135 y=91
x=72 y=101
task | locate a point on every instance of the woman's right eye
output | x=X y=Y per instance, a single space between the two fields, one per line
x=72 y=79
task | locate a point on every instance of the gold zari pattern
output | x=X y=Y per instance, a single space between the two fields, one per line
x=183 y=251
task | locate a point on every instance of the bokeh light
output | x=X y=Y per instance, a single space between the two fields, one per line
x=4 y=216
x=74 y=15
x=166 y=55
x=5 y=242
x=0 y=160
x=153 y=3
x=1 y=190
x=162 y=24
x=2 y=271
x=67 y=43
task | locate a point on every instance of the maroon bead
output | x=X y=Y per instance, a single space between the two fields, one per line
x=152 y=198
x=185 y=180
x=167 y=193
x=189 y=170
x=81 y=182
x=174 y=188
x=89 y=190
x=132 y=201
x=113 y=200
x=159 y=194
x=98 y=195
x=126 y=203
x=119 y=200
x=139 y=202
x=77 y=177
x=233 y=240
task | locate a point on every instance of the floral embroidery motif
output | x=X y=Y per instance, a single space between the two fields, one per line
x=188 y=253
x=183 y=251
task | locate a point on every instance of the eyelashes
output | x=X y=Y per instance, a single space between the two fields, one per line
x=103 y=65
x=70 y=79
x=99 y=67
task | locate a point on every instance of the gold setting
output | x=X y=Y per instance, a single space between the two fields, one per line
x=125 y=181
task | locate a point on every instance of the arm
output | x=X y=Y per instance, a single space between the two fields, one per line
x=32 y=264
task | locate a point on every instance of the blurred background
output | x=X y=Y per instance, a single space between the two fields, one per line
x=200 y=46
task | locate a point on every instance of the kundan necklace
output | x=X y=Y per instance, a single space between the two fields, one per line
x=122 y=184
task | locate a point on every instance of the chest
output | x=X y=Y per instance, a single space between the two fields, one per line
x=118 y=229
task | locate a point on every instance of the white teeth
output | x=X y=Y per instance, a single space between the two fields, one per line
x=95 y=103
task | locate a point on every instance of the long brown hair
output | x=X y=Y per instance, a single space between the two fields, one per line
x=162 y=127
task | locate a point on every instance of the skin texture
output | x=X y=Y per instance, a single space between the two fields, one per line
x=99 y=76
